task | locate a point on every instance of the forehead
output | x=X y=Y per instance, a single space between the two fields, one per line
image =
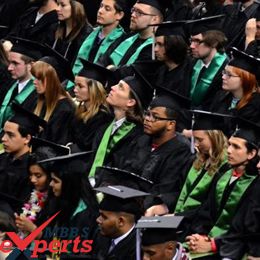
x=124 y=85
x=64 y=1
x=14 y=56
x=197 y=36
x=11 y=127
x=108 y=214
x=110 y=3
x=159 y=38
x=158 y=110
x=143 y=7
x=237 y=140
x=80 y=79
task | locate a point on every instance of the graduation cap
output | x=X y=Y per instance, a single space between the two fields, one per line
x=244 y=61
x=205 y=120
x=205 y=24
x=58 y=62
x=170 y=99
x=248 y=130
x=114 y=176
x=99 y=73
x=70 y=163
x=140 y=86
x=170 y=28
x=122 y=199
x=159 y=229
x=27 y=119
x=32 y=49
x=154 y=3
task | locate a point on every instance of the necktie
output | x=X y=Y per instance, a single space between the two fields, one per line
x=112 y=246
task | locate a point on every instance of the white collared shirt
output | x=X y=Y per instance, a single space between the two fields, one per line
x=117 y=124
x=118 y=239
x=176 y=254
x=22 y=85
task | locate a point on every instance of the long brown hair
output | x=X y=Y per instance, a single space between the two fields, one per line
x=78 y=20
x=217 y=153
x=249 y=85
x=54 y=91
x=97 y=100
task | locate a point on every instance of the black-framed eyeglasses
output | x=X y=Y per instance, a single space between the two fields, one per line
x=153 y=118
x=228 y=74
x=196 y=41
x=139 y=13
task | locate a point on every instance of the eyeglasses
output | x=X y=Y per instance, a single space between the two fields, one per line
x=228 y=74
x=139 y=13
x=153 y=118
x=196 y=41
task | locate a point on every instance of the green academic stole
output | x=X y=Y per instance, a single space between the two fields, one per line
x=199 y=89
x=223 y=222
x=123 y=47
x=188 y=198
x=6 y=110
x=86 y=47
x=108 y=143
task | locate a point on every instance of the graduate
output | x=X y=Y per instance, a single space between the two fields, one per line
x=21 y=57
x=238 y=95
x=158 y=238
x=119 y=211
x=14 y=162
x=229 y=193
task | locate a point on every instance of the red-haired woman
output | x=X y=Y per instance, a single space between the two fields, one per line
x=239 y=89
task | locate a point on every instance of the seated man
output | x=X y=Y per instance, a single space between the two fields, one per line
x=159 y=238
x=119 y=211
x=14 y=181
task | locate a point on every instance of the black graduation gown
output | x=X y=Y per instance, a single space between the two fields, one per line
x=70 y=49
x=166 y=166
x=14 y=181
x=210 y=211
x=245 y=223
x=236 y=20
x=178 y=10
x=43 y=31
x=57 y=129
x=82 y=134
x=213 y=88
x=250 y=111
x=125 y=249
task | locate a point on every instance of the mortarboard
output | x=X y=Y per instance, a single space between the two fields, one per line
x=70 y=163
x=248 y=130
x=205 y=120
x=204 y=24
x=122 y=199
x=115 y=176
x=58 y=62
x=27 y=119
x=154 y=3
x=170 y=99
x=99 y=73
x=244 y=61
x=140 y=86
x=170 y=28
x=159 y=229
x=32 y=49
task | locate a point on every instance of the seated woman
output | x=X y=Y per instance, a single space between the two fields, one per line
x=228 y=194
x=54 y=105
x=92 y=113
x=239 y=90
x=72 y=195
x=72 y=30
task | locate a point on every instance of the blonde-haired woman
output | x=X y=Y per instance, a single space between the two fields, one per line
x=54 y=104
x=92 y=113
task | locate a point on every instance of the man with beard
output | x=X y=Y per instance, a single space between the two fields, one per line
x=38 y=23
x=161 y=155
x=207 y=47
x=237 y=16
x=138 y=46
x=106 y=36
